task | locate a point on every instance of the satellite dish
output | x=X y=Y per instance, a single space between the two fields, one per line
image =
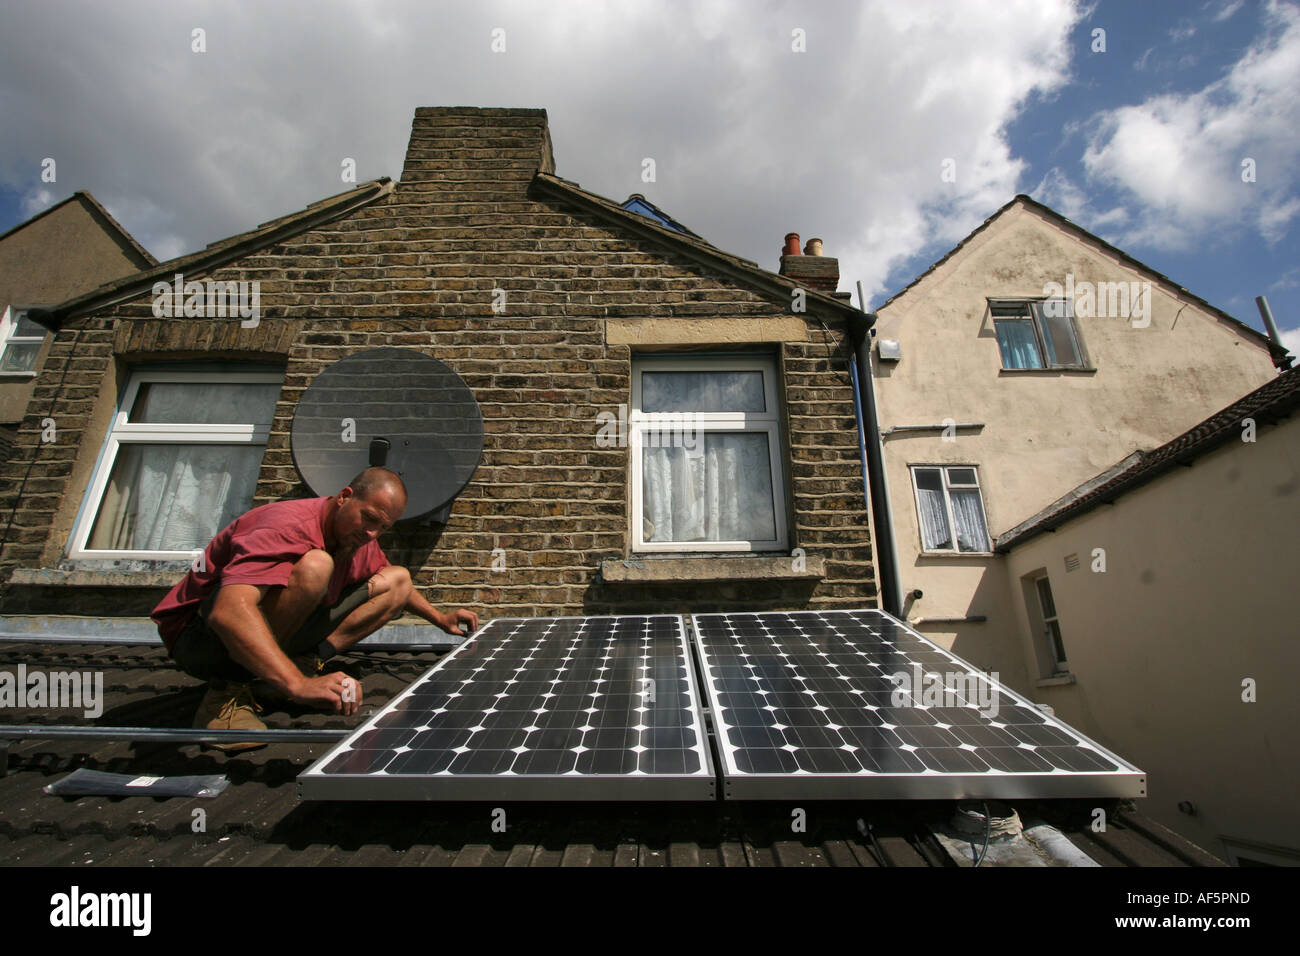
x=393 y=407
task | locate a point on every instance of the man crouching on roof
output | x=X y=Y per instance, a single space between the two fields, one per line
x=284 y=588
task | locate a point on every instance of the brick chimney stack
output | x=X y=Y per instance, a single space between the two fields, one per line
x=813 y=270
x=472 y=152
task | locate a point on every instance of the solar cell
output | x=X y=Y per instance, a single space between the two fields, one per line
x=844 y=704
x=587 y=708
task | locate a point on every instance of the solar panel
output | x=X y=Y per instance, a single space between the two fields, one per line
x=577 y=708
x=855 y=704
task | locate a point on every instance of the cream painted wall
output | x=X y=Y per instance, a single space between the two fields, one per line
x=61 y=255
x=1044 y=432
x=1198 y=594
x=16 y=389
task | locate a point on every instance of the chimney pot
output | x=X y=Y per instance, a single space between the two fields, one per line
x=810 y=269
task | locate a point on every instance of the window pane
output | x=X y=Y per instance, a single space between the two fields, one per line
x=1017 y=342
x=20 y=357
x=961 y=476
x=1045 y=597
x=935 y=534
x=702 y=392
x=1058 y=645
x=968 y=512
x=1015 y=310
x=721 y=490
x=205 y=403
x=1061 y=349
x=174 y=497
x=26 y=327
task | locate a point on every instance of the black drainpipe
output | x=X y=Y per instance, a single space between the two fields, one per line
x=891 y=597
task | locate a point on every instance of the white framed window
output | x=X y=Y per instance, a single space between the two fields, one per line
x=1051 y=626
x=1037 y=334
x=20 y=342
x=950 y=509
x=180 y=463
x=705 y=442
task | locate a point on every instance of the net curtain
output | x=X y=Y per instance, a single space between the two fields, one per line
x=175 y=497
x=720 y=491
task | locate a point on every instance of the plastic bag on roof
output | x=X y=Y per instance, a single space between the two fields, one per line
x=83 y=783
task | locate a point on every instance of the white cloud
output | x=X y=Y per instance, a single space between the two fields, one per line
x=148 y=219
x=1180 y=156
x=751 y=139
x=1291 y=340
x=1228 y=10
x=1288 y=280
x=34 y=200
x=936 y=87
x=1057 y=190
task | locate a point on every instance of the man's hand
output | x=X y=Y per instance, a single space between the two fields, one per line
x=451 y=622
x=337 y=692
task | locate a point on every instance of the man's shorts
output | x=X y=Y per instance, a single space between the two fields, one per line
x=199 y=652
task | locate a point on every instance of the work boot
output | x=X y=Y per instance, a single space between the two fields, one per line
x=230 y=706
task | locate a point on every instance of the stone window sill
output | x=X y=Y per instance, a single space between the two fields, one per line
x=1089 y=370
x=99 y=578
x=705 y=570
x=1058 y=680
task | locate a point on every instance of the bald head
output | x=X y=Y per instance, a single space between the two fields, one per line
x=371 y=504
x=376 y=479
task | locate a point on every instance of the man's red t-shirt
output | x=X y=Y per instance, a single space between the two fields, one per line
x=261 y=548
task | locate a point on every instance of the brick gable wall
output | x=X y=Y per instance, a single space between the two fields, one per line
x=417 y=270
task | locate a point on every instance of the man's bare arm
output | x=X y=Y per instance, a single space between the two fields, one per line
x=451 y=623
x=239 y=622
x=242 y=627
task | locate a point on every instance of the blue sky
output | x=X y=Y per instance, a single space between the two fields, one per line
x=1174 y=50
x=1141 y=144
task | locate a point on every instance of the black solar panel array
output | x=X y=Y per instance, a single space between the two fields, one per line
x=855 y=704
x=548 y=708
x=805 y=705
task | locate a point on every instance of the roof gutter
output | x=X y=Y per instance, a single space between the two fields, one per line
x=870 y=446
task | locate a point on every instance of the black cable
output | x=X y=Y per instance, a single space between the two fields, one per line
x=988 y=826
x=831 y=350
x=876 y=852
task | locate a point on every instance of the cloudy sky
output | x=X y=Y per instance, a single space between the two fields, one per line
x=1171 y=129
